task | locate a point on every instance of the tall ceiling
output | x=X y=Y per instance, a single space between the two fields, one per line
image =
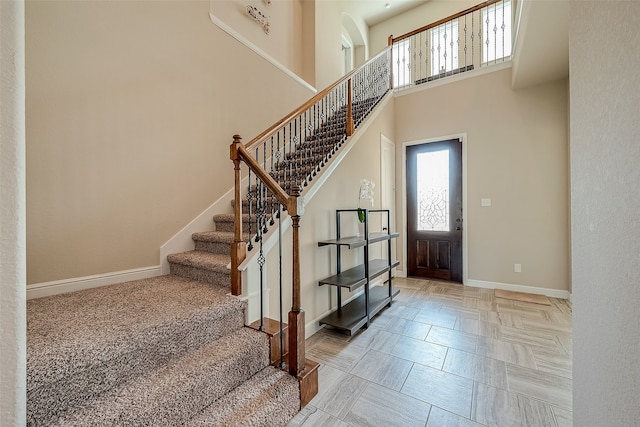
x=375 y=11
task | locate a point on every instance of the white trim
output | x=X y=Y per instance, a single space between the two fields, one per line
x=182 y=241
x=553 y=293
x=45 y=289
x=465 y=247
x=227 y=29
x=452 y=79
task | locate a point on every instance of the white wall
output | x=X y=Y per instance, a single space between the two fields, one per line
x=605 y=151
x=12 y=217
x=516 y=155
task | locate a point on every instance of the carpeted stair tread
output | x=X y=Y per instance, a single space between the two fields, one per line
x=171 y=394
x=203 y=260
x=82 y=343
x=229 y=218
x=270 y=398
x=214 y=236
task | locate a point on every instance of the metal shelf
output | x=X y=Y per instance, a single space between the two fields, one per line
x=353 y=316
x=357 y=313
x=354 y=277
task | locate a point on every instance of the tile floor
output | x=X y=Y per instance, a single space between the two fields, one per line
x=446 y=355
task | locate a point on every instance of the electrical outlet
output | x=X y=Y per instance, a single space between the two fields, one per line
x=517 y=268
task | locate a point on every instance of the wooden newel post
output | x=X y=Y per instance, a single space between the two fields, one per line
x=296 y=315
x=239 y=246
x=350 y=125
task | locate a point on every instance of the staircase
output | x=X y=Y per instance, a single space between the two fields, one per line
x=169 y=350
x=174 y=349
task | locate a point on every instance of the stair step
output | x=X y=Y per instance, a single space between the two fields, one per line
x=269 y=399
x=202 y=266
x=217 y=242
x=83 y=343
x=225 y=222
x=173 y=394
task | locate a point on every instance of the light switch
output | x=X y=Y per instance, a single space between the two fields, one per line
x=485 y=202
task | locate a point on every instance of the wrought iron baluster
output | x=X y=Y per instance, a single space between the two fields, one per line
x=465 y=41
x=280 y=171
x=419 y=43
x=264 y=207
x=281 y=306
x=291 y=160
x=495 y=34
x=258 y=190
x=274 y=176
x=473 y=58
x=412 y=46
x=482 y=38
x=250 y=206
x=452 y=44
x=503 y=28
x=261 y=257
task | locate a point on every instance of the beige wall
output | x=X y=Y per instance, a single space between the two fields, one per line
x=131 y=107
x=605 y=150
x=328 y=42
x=516 y=152
x=284 y=41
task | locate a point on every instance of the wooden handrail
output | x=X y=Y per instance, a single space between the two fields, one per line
x=304 y=107
x=273 y=186
x=442 y=21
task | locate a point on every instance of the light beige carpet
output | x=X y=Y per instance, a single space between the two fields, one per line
x=521 y=296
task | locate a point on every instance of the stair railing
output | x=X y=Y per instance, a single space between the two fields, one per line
x=282 y=161
x=468 y=40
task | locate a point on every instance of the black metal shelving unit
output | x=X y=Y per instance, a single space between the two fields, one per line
x=359 y=311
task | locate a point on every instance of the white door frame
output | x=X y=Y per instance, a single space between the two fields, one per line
x=386 y=182
x=403 y=210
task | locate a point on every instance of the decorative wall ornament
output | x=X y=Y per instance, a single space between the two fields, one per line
x=259 y=17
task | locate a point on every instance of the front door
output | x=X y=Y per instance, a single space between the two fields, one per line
x=434 y=210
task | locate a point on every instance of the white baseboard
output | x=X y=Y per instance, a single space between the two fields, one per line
x=399 y=273
x=553 y=293
x=45 y=289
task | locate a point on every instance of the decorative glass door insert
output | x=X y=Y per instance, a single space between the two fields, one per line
x=432 y=183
